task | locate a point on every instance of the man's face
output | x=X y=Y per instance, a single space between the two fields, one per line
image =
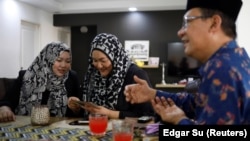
x=62 y=64
x=194 y=33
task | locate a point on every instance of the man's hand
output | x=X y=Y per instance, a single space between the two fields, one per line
x=139 y=92
x=168 y=111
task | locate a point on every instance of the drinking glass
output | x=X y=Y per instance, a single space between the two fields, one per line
x=122 y=130
x=40 y=115
x=98 y=124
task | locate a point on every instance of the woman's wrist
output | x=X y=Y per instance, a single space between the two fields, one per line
x=112 y=114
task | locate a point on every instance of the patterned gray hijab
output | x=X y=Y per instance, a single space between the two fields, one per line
x=100 y=90
x=40 y=77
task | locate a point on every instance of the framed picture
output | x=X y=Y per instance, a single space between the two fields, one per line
x=153 y=61
x=137 y=49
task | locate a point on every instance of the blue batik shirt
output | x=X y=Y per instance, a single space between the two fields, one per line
x=224 y=92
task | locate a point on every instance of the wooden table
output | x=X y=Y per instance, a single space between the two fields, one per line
x=58 y=130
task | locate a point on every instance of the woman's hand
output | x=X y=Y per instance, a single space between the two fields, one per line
x=92 y=108
x=6 y=114
x=73 y=105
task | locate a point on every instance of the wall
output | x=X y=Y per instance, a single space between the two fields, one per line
x=159 y=27
x=243 y=26
x=11 y=14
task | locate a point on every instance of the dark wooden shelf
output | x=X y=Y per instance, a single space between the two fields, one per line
x=170 y=85
x=150 y=66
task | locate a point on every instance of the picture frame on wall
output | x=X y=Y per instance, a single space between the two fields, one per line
x=137 y=49
x=153 y=61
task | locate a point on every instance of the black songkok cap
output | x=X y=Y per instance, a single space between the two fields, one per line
x=230 y=8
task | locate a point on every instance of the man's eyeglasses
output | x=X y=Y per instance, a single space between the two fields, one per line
x=188 y=19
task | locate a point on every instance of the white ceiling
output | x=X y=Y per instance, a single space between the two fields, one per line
x=97 y=6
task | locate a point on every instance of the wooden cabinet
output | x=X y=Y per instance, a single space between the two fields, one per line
x=171 y=87
x=182 y=86
x=150 y=66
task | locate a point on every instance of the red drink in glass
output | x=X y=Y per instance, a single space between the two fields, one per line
x=122 y=130
x=123 y=136
x=98 y=124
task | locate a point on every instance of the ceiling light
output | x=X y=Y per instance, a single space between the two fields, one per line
x=132 y=9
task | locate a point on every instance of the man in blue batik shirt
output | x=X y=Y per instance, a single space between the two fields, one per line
x=208 y=34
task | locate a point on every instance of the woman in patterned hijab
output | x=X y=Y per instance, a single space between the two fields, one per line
x=44 y=82
x=109 y=70
x=40 y=77
x=106 y=87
